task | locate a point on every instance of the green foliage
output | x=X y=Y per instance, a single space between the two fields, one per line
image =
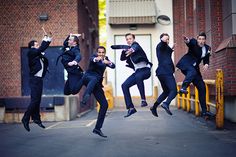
x=102 y=22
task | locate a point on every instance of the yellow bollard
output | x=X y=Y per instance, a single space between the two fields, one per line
x=207 y=97
x=197 y=109
x=178 y=98
x=188 y=100
x=219 y=99
x=98 y=106
x=155 y=93
x=183 y=102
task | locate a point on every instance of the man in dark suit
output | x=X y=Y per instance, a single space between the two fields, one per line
x=164 y=72
x=70 y=60
x=136 y=59
x=198 y=50
x=38 y=65
x=94 y=74
x=93 y=78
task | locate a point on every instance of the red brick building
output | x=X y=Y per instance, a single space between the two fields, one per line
x=20 y=23
x=217 y=18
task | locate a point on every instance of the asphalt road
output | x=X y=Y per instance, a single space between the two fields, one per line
x=141 y=135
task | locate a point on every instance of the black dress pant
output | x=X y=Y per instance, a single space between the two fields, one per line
x=190 y=74
x=138 y=78
x=100 y=97
x=90 y=80
x=73 y=83
x=33 y=110
x=194 y=76
x=169 y=88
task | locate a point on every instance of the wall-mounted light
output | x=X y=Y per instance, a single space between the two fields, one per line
x=133 y=27
x=43 y=17
x=163 y=20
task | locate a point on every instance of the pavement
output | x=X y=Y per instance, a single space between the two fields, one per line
x=142 y=134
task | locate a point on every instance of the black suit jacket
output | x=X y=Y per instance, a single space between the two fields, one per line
x=137 y=56
x=98 y=68
x=193 y=56
x=34 y=56
x=165 y=63
x=71 y=54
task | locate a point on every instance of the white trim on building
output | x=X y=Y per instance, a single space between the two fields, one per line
x=154 y=30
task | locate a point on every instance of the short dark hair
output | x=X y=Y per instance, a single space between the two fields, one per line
x=31 y=43
x=76 y=39
x=202 y=34
x=130 y=34
x=164 y=34
x=101 y=47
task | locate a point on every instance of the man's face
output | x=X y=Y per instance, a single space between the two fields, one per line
x=201 y=40
x=36 y=45
x=71 y=41
x=101 y=53
x=166 y=39
x=129 y=39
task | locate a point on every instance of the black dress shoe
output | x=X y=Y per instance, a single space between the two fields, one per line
x=84 y=100
x=154 y=111
x=82 y=104
x=166 y=108
x=99 y=132
x=130 y=112
x=207 y=115
x=39 y=122
x=144 y=103
x=183 y=91
x=41 y=125
x=26 y=124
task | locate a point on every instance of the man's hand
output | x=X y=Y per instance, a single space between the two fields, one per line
x=173 y=47
x=186 y=39
x=72 y=63
x=98 y=58
x=50 y=34
x=106 y=62
x=78 y=35
x=209 y=49
x=129 y=52
x=205 y=67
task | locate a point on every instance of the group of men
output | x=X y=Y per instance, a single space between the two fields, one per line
x=198 y=50
x=135 y=58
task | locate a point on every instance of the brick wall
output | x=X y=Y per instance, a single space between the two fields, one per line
x=223 y=55
x=216 y=23
x=20 y=24
x=225 y=59
x=200 y=17
x=179 y=24
x=189 y=22
x=89 y=27
x=217 y=60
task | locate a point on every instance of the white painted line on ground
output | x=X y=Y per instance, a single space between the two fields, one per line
x=69 y=127
x=83 y=113
x=91 y=123
x=58 y=123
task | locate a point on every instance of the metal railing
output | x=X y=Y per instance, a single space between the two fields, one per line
x=184 y=101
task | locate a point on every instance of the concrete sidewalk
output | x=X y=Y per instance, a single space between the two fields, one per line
x=180 y=135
